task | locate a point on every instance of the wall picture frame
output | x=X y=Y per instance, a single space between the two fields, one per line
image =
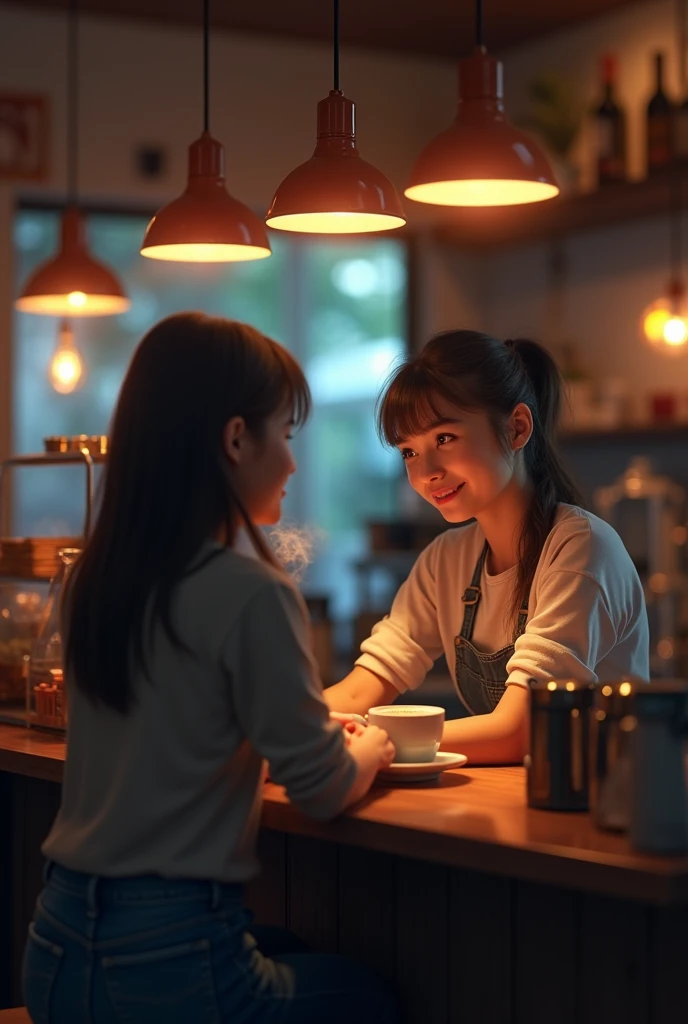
x=24 y=137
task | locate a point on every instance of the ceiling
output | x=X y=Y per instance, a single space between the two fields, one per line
x=441 y=27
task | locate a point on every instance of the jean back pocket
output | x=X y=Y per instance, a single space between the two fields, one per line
x=173 y=985
x=42 y=960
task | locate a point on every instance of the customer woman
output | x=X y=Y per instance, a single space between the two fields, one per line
x=531 y=585
x=187 y=666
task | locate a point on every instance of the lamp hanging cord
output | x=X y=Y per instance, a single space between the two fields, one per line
x=676 y=183
x=206 y=65
x=479 y=23
x=335 y=45
x=72 y=101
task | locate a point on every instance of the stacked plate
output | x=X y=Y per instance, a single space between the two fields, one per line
x=35 y=558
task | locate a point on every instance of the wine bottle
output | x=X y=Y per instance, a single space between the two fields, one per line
x=660 y=115
x=610 y=128
x=680 y=145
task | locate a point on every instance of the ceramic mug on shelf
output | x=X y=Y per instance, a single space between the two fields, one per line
x=414 y=729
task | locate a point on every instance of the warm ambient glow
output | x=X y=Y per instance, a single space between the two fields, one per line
x=336 y=192
x=66 y=371
x=206 y=224
x=481 y=159
x=664 y=324
x=342 y=223
x=205 y=252
x=73 y=283
x=481 y=192
x=64 y=305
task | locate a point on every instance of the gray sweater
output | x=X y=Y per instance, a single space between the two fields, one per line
x=174 y=788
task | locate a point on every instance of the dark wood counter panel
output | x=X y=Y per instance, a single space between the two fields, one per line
x=477 y=909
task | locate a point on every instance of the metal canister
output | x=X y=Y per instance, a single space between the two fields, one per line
x=659 y=758
x=558 y=764
x=612 y=721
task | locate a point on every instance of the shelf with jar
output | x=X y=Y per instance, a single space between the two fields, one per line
x=32 y=571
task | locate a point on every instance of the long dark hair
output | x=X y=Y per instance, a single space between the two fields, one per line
x=168 y=488
x=475 y=371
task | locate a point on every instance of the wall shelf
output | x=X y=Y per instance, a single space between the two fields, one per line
x=496 y=228
x=632 y=432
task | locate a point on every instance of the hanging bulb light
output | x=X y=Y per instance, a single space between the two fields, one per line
x=664 y=323
x=482 y=159
x=205 y=224
x=66 y=372
x=336 y=192
x=72 y=283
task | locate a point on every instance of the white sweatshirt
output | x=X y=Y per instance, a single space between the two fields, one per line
x=586 y=614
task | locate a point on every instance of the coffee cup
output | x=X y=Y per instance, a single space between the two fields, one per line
x=414 y=729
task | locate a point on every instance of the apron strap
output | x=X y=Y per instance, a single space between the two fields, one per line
x=522 y=619
x=471 y=596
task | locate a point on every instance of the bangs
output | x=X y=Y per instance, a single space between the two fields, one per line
x=409 y=403
x=298 y=398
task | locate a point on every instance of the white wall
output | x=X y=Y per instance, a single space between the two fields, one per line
x=141 y=82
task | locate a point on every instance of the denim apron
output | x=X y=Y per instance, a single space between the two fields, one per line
x=481 y=678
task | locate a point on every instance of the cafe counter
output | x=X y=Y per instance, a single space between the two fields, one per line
x=479 y=909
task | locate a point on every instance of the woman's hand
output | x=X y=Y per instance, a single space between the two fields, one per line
x=353 y=725
x=374 y=745
x=372 y=750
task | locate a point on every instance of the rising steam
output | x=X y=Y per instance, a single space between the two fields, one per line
x=295 y=546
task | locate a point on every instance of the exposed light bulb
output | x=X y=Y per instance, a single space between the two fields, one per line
x=66 y=371
x=664 y=323
x=77 y=299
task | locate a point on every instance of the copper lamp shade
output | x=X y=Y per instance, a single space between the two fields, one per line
x=336 y=192
x=73 y=283
x=205 y=224
x=482 y=159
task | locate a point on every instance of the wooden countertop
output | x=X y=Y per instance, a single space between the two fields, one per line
x=475 y=819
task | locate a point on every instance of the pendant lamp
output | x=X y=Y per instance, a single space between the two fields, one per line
x=482 y=159
x=205 y=224
x=72 y=283
x=336 y=192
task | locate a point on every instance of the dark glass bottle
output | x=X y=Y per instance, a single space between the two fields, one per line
x=610 y=129
x=660 y=115
x=681 y=132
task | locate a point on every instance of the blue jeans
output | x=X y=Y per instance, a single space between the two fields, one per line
x=153 y=951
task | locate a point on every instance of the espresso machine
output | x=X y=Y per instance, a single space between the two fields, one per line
x=648 y=511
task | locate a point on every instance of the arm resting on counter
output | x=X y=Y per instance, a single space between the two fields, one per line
x=359 y=691
x=502 y=737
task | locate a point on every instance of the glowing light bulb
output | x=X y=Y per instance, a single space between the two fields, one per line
x=77 y=299
x=675 y=331
x=664 y=324
x=66 y=371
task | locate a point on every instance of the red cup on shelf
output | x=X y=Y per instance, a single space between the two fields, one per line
x=663 y=407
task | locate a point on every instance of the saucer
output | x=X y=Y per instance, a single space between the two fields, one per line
x=422 y=771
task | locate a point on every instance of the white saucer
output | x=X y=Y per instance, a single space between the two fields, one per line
x=423 y=771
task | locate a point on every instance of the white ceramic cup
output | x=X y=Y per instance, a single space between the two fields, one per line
x=414 y=729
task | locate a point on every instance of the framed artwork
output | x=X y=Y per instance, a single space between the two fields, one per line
x=23 y=137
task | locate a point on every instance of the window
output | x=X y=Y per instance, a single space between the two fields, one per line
x=339 y=306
